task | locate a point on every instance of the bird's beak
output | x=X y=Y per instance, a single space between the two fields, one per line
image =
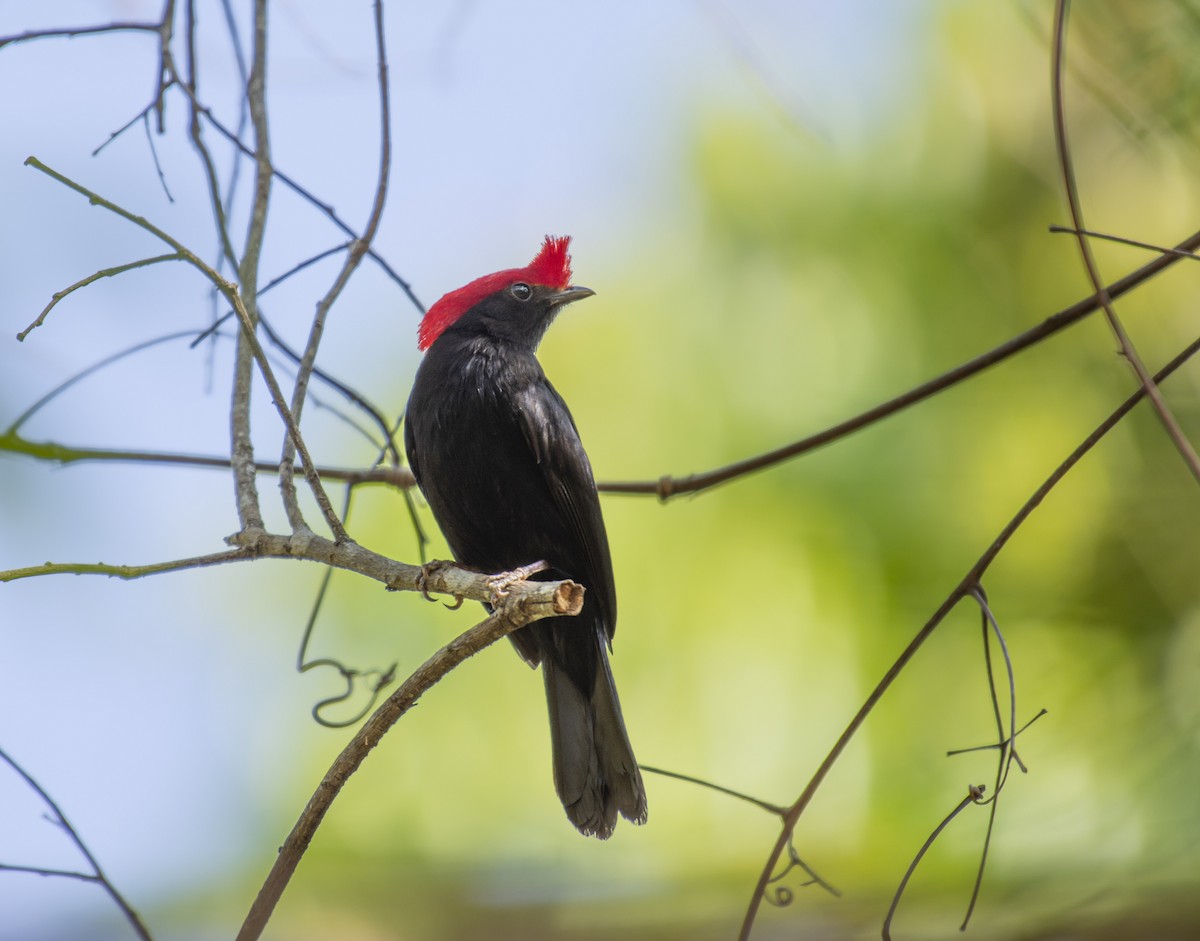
x=567 y=295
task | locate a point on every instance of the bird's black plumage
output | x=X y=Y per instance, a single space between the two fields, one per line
x=496 y=452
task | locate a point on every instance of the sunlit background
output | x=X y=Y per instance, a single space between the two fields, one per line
x=789 y=211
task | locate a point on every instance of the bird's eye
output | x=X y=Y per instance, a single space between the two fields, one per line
x=521 y=291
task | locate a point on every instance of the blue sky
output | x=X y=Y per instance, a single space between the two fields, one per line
x=509 y=121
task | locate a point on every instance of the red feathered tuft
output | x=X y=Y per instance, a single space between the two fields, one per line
x=551 y=267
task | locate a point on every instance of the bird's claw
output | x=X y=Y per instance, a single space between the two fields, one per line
x=500 y=584
x=428 y=570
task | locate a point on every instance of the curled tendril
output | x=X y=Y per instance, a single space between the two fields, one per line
x=782 y=896
x=381 y=680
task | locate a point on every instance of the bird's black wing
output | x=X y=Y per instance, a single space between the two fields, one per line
x=410 y=449
x=550 y=432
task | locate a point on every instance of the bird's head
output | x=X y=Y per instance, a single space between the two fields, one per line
x=517 y=304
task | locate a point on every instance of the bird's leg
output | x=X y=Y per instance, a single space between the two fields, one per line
x=500 y=584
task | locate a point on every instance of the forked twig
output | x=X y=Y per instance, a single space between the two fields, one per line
x=1067 y=168
x=1007 y=756
x=97 y=875
x=964 y=587
x=233 y=298
x=354 y=256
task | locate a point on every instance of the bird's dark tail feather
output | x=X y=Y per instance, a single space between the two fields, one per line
x=595 y=772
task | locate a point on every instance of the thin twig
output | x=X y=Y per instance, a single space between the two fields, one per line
x=113 y=135
x=69 y=32
x=126 y=572
x=352 y=395
x=91 y=279
x=1123 y=240
x=43 y=871
x=98 y=876
x=163 y=81
x=400 y=478
x=349 y=674
x=325 y=208
x=242 y=446
x=776 y=809
x=353 y=258
x=1005 y=741
x=1067 y=167
x=974 y=792
x=11 y=431
x=387 y=431
x=220 y=208
x=964 y=587
x=162 y=177
x=231 y=295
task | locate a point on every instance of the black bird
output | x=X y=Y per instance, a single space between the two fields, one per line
x=496 y=452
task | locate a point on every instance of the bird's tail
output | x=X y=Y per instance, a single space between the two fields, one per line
x=595 y=772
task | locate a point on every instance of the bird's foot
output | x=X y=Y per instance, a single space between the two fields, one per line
x=428 y=570
x=500 y=584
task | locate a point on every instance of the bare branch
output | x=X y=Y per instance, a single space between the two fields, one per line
x=1067 y=167
x=354 y=257
x=166 y=29
x=162 y=177
x=325 y=208
x=399 y=477
x=770 y=808
x=962 y=590
x=539 y=599
x=667 y=486
x=98 y=875
x=1123 y=240
x=508 y=617
x=231 y=295
x=102 y=273
x=70 y=32
x=43 y=871
x=125 y=572
x=242 y=446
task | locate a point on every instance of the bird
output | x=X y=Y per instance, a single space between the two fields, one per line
x=497 y=455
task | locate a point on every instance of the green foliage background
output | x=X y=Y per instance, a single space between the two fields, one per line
x=805 y=283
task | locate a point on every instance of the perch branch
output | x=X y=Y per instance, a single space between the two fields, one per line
x=540 y=599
